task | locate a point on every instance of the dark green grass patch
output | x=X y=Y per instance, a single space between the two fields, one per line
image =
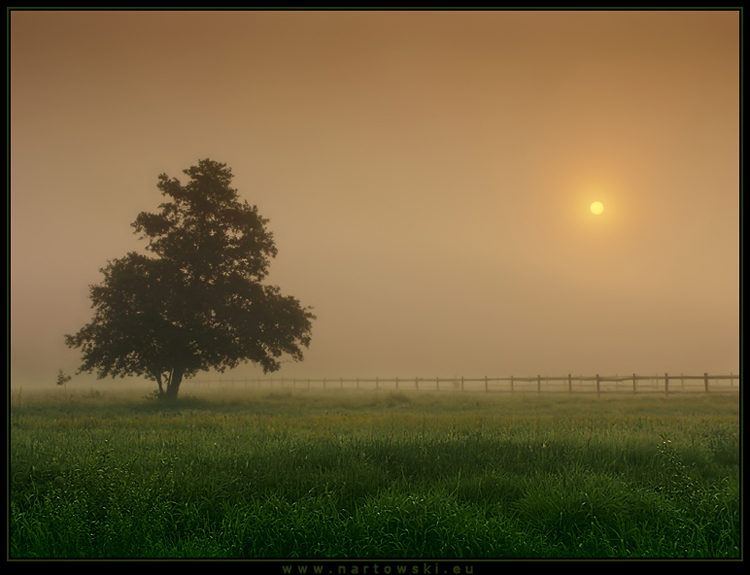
x=375 y=475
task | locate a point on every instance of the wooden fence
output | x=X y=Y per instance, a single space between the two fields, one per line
x=598 y=384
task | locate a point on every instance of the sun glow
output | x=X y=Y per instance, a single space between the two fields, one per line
x=597 y=208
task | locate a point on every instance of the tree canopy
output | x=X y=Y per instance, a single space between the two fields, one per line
x=196 y=300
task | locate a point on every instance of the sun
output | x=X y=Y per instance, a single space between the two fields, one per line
x=597 y=208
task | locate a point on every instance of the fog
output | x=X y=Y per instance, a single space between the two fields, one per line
x=427 y=177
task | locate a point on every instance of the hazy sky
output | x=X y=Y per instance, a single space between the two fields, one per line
x=427 y=176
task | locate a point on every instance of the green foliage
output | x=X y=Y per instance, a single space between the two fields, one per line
x=270 y=475
x=62 y=379
x=198 y=302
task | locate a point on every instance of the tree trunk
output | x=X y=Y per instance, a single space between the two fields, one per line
x=174 y=383
x=161 y=388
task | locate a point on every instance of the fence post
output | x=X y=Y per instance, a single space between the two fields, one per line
x=416 y=383
x=570 y=384
x=376 y=383
x=633 y=384
x=705 y=381
x=437 y=383
x=539 y=384
x=486 y=386
x=597 y=385
x=666 y=384
x=511 y=384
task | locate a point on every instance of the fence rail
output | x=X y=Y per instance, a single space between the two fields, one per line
x=599 y=384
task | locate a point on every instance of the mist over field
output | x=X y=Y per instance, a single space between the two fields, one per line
x=508 y=271
x=428 y=178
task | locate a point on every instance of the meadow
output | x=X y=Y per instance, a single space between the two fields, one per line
x=374 y=474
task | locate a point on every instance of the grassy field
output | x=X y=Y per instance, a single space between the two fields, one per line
x=360 y=474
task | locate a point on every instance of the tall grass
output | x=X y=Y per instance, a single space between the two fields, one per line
x=366 y=474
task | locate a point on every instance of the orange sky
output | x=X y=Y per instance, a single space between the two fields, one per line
x=427 y=176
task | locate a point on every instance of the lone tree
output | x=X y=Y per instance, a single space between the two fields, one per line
x=198 y=303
